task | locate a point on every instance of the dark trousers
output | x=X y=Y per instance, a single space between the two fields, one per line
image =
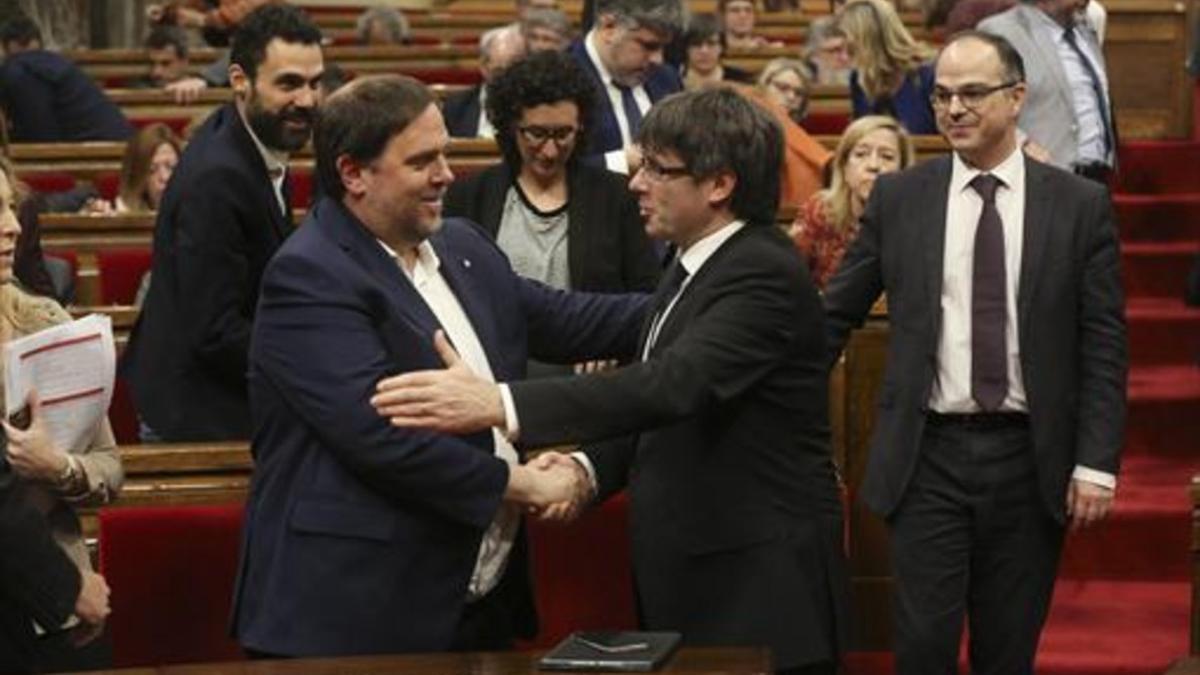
x=972 y=537
x=486 y=625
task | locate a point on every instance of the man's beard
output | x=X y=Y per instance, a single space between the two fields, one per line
x=271 y=130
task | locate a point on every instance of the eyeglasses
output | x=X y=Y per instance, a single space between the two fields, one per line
x=971 y=96
x=537 y=135
x=658 y=173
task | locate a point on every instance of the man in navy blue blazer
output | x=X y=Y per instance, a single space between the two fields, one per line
x=47 y=97
x=623 y=53
x=361 y=537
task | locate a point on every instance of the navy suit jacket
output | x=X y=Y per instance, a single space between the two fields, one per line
x=48 y=99
x=461 y=112
x=606 y=133
x=361 y=537
x=218 y=225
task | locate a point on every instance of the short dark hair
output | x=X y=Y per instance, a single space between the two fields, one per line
x=661 y=16
x=716 y=130
x=1011 y=63
x=542 y=78
x=251 y=37
x=359 y=121
x=163 y=36
x=701 y=27
x=21 y=30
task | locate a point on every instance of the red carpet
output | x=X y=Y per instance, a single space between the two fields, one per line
x=1124 y=594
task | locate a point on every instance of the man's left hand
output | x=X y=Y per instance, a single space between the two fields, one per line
x=452 y=401
x=1087 y=503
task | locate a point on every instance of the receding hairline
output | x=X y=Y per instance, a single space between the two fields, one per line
x=997 y=59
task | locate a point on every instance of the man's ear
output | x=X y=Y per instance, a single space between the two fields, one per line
x=240 y=82
x=607 y=27
x=351 y=173
x=721 y=188
x=1019 y=91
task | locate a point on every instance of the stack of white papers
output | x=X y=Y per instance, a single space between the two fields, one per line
x=72 y=367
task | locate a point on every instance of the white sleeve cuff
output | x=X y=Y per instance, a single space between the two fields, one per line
x=615 y=160
x=512 y=425
x=1101 y=478
x=588 y=468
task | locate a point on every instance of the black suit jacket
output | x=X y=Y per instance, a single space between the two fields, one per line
x=218 y=225
x=608 y=250
x=49 y=99
x=736 y=520
x=1070 y=315
x=38 y=582
x=461 y=112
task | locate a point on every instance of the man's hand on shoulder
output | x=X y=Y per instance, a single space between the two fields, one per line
x=451 y=401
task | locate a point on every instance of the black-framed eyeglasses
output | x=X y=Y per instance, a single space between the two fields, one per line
x=658 y=173
x=971 y=96
x=537 y=135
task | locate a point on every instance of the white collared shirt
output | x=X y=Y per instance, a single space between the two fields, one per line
x=276 y=162
x=485 y=128
x=692 y=260
x=497 y=542
x=615 y=160
x=952 y=387
x=1090 y=127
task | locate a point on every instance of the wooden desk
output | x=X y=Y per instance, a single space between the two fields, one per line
x=688 y=661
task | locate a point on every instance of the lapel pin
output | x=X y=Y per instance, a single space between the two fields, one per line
x=466 y=263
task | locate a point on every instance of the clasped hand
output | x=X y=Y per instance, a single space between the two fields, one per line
x=30 y=452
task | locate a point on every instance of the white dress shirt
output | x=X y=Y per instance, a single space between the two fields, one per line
x=276 y=162
x=485 y=128
x=437 y=294
x=951 y=391
x=615 y=160
x=1088 y=117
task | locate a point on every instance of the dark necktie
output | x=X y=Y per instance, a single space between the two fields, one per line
x=668 y=288
x=633 y=114
x=1097 y=87
x=989 y=310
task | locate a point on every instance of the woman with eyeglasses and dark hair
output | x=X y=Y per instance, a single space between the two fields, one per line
x=560 y=222
x=704 y=44
x=893 y=73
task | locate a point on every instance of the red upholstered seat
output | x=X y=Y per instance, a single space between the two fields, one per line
x=121 y=271
x=108 y=184
x=581 y=573
x=826 y=123
x=301 y=181
x=171 y=570
x=47 y=181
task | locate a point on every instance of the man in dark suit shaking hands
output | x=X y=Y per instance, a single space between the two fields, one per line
x=736 y=522
x=1002 y=408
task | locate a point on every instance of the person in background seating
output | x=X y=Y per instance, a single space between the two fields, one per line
x=382 y=25
x=786 y=82
x=827 y=53
x=52 y=480
x=167 y=54
x=47 y=98
x=149 y=160
x=465 y=111
x=892 y=74
x=704 y=43
x=828 y=222
x=738 y=18
x=546 y=29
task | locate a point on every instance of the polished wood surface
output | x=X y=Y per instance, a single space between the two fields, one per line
x=687 y=661
x=1146 y=49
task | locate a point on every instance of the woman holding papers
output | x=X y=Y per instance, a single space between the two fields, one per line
x=51 y=480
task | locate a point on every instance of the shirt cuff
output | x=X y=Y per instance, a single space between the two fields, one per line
x=512 y=425
x=588 y=469
x=1101 y=478
x=616 y=161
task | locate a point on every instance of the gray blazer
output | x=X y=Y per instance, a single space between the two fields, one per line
x=1048 y=117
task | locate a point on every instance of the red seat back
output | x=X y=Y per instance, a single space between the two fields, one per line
x=171 y=571
x=121 y=272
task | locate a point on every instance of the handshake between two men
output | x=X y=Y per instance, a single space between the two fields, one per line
x=553 y=485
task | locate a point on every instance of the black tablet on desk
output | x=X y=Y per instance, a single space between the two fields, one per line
x=617 y=650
